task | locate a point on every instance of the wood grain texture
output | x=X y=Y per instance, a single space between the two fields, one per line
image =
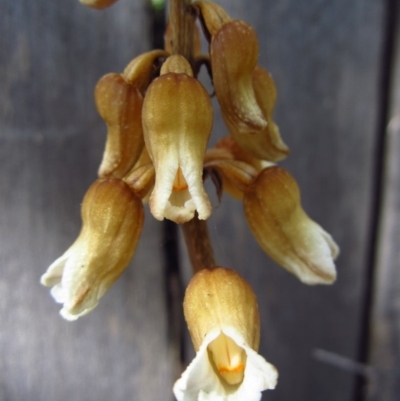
x=384 y=384
x=325 y=58
x=51 y=142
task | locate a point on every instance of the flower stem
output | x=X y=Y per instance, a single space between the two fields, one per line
x=181 y=23
x=198 y=244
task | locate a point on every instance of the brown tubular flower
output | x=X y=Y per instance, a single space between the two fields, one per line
x=120 y=105
x=264 y=144
x=222 y=315
x=212 y=16
x=177 y=121
x=98 y=4
x=112 y=220
x=285 y=232
x=234 y=55
x=246 y=93
x=221 y=297
x=119 y=102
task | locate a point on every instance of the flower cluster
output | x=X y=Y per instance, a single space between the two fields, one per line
x=159 y=119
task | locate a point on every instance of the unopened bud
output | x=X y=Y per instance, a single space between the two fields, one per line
x=234 y=55
x=120 y=105
x=213 y=16
x=140 y=71
x=267 y=143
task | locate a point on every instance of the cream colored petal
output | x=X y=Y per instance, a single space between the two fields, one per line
x=194 y=178
x=54 y=273
x=259 y=374
x=180 y=207
x=315 y=254
x=177 y=121
x=166 y=168
x=112 y=221
x=200 y=382
x=285 y=232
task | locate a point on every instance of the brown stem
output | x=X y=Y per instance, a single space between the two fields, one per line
x=198 y=244
x=181 y=24
x=181 y=30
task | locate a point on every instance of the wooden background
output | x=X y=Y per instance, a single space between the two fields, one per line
x=337 y=68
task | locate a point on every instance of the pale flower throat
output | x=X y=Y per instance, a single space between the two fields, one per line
x=229 y=359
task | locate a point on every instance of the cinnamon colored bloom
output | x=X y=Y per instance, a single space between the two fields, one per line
x=177 y=121
x=112 y=220
x=285 y=232
x=222 y=315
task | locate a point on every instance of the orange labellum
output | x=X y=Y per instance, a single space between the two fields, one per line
x=180 y=183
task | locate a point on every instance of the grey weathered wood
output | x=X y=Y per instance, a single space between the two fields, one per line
x=325 y=58
x=385 y=322
x=51 y=142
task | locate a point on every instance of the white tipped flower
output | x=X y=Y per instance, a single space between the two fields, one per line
x=222 y=315
x=112 y=219
x=285 y=232
x=177 y=121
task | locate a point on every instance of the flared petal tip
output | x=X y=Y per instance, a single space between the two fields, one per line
x=318 y=276
x=179 y=206
x=201 y=382
x=55 y=271
x=333 y=246
x=48 y=280
x=180 y=214
x=70 y=315
x=322 y=267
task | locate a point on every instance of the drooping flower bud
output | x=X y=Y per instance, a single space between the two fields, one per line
x=234 y=55
x=140 y=71
x=177 y=121
x=112 y=220
x=119 y=99
x=223 y=320
x=212 y=15
x=285 y=232
x=267 y=143
x=120 y=105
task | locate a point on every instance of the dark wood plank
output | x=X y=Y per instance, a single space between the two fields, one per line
x=325 y=58
x=385 y=324
x=51 y=142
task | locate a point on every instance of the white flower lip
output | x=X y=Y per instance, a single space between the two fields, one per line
x=200 y=382
x=179 y=206
x=112 y=220
x=68 y=287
